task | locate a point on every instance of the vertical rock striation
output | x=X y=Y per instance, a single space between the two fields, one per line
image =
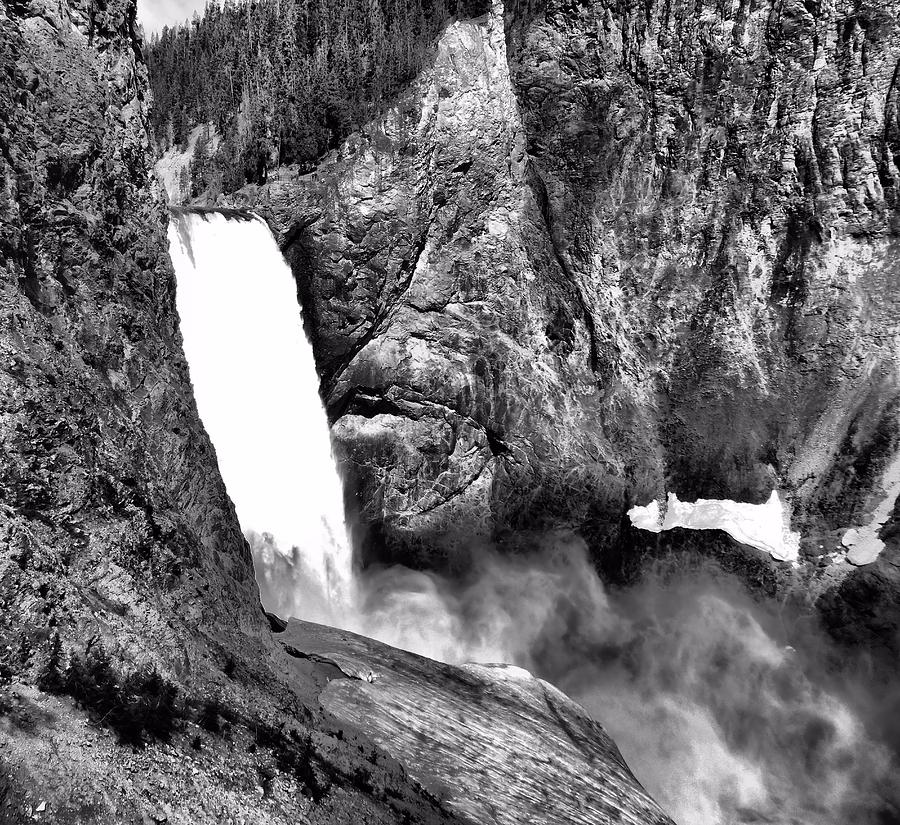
x=598 y=252
x=114 y=522
x=722 y=181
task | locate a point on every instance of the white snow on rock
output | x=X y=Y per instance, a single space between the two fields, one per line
x=647 y=517
x=764 y=526
x=863 y=543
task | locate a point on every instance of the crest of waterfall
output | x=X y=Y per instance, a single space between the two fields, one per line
x=256 y=389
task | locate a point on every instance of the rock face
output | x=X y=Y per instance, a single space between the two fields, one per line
x=600 y=253
x=735 y=205
x=454 y=351
x=127 y=597
x=491 y=741
x=113 y=517
x=863 y=609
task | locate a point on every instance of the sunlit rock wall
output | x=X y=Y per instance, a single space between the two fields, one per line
x=598 y=253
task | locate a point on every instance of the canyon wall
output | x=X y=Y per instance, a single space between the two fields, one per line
x=600 y=251
x=113 y=515
x=140 y=680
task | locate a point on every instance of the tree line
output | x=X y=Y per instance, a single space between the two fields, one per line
x=284 y=81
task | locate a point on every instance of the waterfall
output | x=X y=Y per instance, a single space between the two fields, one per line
x=715 y=697
x=256 y=389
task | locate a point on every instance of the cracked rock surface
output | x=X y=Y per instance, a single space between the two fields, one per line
x=494 y=743
x=601 y=252
x=116 y=533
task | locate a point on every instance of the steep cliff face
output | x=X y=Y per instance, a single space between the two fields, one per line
x=139 y=679
x=455 y=352
x=599 y=252
x=114 y=519
x=722 y=181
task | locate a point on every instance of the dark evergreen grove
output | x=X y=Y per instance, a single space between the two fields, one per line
x=284 y=81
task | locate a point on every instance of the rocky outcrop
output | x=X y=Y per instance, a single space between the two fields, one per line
x=129 y=614
x=493 y=743
x=863 y=608
x=455 y=353
x=361 y=733
x=596 y=254
x=113 y=516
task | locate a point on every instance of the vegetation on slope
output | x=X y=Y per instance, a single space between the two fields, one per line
x=284 y=81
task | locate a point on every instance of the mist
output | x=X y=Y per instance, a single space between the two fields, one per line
x=154 y=15
x=728 y=710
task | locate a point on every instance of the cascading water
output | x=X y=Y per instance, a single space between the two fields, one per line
x=722 y=718
x=256 y=389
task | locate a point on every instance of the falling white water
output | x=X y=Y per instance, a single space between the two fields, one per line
x=256 y=389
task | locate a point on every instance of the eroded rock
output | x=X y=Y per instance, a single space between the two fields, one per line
x=598 y=253
x=494 y=743
x=119 y=547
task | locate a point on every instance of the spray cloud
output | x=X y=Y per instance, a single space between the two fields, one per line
x=720 y=704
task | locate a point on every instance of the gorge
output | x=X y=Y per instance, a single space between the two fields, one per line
x=599 y=303
x=650 y=259
x=715 y=381
x=727 y=705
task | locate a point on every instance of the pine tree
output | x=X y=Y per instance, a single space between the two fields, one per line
x=283 y=80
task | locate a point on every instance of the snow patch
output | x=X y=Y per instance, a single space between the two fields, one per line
x=764 y=526
x=647 y=517
x=863 y=543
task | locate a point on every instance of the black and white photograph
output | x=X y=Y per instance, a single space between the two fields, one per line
x=450 y=412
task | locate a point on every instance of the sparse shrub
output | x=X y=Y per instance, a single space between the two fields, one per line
x=294 y=754
x=361 y=777
x=266 y=777
x=50 y=678
x=151 y=703
x=6 y=673
x=209 y=718
x=140 y=705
